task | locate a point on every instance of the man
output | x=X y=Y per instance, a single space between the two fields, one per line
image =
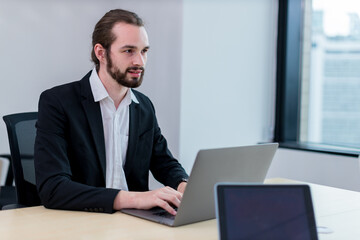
x=97 y=138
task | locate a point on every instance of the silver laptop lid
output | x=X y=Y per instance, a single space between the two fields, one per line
x=236 y=164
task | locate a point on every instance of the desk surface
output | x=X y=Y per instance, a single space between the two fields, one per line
x=335 y=208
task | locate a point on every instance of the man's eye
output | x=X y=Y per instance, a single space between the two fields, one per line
x=129 y=51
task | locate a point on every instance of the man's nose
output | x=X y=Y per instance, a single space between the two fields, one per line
x=139 y=60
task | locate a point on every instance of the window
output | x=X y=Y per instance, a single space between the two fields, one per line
x=318 y=75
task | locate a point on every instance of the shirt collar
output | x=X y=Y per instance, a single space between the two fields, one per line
x=133 y=97
x=99 y=92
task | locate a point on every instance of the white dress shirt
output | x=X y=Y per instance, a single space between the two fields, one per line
x=116 y=131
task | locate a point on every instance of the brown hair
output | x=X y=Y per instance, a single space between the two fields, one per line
x=102 y=32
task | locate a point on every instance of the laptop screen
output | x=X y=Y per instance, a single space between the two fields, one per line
x=265 y=212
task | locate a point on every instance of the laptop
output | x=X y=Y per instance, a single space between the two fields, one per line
x=236 y=164
x=251 y=211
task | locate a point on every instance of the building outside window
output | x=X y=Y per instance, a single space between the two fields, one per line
x=330 y=73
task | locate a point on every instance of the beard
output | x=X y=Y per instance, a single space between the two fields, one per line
x=120 y=77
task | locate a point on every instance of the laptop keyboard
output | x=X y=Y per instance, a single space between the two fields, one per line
x=163 y=213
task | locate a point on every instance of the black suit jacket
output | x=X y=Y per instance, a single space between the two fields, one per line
x=70 y=150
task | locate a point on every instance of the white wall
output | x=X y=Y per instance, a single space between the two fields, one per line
x=228 y=69
x=327 y=169
x=4 y=166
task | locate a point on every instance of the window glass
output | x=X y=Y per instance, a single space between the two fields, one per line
x=330 y=91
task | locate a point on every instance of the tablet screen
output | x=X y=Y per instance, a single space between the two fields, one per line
x=266 y=212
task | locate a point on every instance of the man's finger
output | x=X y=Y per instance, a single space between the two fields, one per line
x=166 y=206
x=170 y=197
x=172 y=191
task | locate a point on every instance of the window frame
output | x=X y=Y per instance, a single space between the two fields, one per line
x=288 y=82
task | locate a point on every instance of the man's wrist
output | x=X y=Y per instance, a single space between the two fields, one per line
x=117 y=202
x=181 y=186
x=125 y=199
x=181 y=181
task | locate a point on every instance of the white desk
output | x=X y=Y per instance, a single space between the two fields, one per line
x=334 y=208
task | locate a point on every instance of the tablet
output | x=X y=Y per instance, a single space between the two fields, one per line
x=262 y=211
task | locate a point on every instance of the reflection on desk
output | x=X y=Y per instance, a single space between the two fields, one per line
x=334 y=208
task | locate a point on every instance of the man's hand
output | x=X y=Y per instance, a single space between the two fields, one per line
x=181 y=187
x=165 y=198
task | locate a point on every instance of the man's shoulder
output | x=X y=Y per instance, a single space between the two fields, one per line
x=63 y=87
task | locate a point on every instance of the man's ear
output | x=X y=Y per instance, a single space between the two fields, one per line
x=100 y=52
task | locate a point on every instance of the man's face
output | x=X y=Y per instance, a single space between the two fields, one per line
x=127 y=55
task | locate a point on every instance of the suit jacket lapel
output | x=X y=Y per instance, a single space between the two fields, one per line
x=133 y=135
x=93 y=114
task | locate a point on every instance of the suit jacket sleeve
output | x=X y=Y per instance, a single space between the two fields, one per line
x=55 y=181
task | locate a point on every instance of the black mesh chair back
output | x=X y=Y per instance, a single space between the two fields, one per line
x=21 y=133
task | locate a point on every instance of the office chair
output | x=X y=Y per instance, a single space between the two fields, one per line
x=21 y=133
